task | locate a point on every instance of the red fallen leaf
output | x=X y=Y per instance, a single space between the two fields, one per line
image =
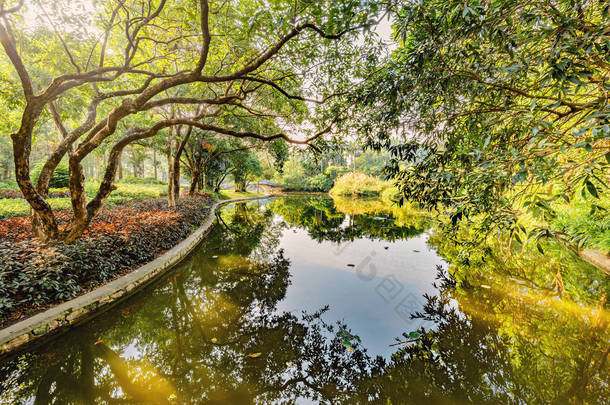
x=98 y=342
x=253 y=355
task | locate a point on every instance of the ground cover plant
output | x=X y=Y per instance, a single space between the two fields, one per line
x=34 y=276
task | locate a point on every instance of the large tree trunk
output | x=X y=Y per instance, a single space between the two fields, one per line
x=46 y=227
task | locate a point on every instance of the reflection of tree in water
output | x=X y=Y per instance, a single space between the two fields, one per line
x=197 y=351
x=324 y=221
x=188 y=340
x=465 y=359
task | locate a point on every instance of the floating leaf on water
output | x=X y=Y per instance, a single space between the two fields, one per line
x=172 y=396
x=214 y=340
x=414 y=335
x=415 y=250
x=253 y=355
x=485 y=286
x=351 y=265
x=98 y=342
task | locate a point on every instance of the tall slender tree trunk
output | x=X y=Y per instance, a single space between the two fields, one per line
x=155 y=163
x=120 y=169
x=177 y=156
x=171 y=197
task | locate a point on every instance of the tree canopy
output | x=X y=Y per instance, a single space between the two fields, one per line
x=501 y=108
x=107 y=74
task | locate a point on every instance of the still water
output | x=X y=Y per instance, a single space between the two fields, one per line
x=305 y=299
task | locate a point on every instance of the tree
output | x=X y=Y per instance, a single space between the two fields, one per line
x=247 y=166
x=501 y=107
x=148 y=49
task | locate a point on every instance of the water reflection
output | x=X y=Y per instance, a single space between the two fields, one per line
x=218 y=330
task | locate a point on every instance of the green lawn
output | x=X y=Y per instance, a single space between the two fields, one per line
x=17 y=207
x=229 y=194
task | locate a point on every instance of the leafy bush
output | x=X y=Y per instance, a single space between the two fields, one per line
x=586 y=222
x=295 y=178
x=320 y=182
x=358 y=184
x=59 y=179
x=33 y=275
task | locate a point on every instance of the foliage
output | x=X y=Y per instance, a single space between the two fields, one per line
x=246 y=167
x=59 y=179
x=97 y=83
x=33 y=275
x=503 y=106
x=298 y=174
x=358 y=184
x=372 y=162
x=586 y=221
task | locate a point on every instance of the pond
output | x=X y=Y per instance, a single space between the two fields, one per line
x=306 y=299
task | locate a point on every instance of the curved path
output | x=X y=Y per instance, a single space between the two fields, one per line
x=82 y=308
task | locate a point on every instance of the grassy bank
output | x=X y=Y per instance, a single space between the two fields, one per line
x=229 y=194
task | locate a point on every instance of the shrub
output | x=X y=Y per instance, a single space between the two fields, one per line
x=358 y=184
x=59 y=179
x=320 y=182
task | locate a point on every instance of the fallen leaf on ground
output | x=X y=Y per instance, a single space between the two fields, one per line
x=253 y=355
x=99 y=341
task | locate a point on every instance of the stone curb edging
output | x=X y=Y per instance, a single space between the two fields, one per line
x=82 y=308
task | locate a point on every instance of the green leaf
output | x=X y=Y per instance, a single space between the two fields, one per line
x=414 y=335
x=591 y=188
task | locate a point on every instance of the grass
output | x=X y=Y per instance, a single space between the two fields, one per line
x=229 y=194
x=18 y=207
